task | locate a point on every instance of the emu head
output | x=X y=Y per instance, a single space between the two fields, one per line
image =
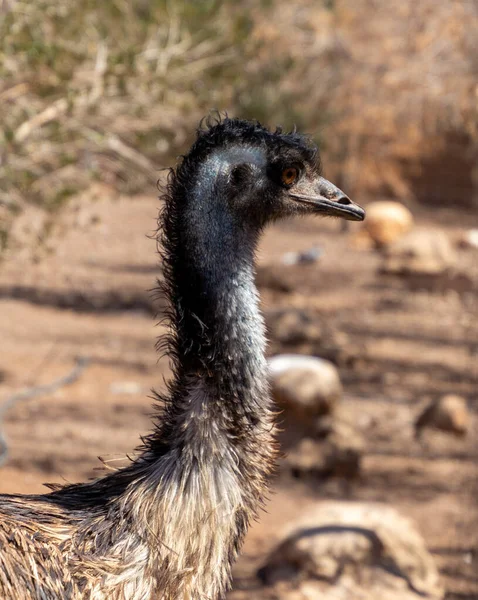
x=258 y=176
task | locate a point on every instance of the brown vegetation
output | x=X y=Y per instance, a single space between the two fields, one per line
x=111 y=92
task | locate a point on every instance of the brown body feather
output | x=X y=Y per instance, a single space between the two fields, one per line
x=151 y=531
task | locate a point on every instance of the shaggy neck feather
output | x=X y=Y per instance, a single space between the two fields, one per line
x=219 y=340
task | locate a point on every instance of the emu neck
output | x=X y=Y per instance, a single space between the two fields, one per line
x=221 y=339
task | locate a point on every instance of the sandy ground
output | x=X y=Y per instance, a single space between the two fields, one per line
x=397 y=343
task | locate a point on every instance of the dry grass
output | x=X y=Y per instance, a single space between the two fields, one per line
x=101 y=90
x=413 y=84
x=389 y=85
x=111 y=91
x=104 y=91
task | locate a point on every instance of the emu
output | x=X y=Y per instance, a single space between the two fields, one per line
x=170 y=524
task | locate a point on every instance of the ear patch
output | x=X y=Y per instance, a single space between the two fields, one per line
x=240 y=174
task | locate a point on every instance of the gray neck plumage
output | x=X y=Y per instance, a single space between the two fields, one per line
x=219 y=340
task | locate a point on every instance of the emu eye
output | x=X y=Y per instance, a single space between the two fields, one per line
x=289 y=175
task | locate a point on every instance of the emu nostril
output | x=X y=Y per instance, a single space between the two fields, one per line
x=344 y=200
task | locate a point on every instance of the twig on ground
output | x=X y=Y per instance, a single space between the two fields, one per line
x=114 y=143
x=49 y=114
x=38 y=390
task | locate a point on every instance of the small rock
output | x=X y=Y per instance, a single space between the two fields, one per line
x=305 y=386
x=306 y=257
x=387 y=222
x=126 y=387
x=422 y=251
x=343 y=547
x=449 y=413
x=469 y=239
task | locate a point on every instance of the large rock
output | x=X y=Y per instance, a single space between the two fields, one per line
x=352 y=551
x=449 y=414
x=315 y=441
x=306 y=387
x=387 y=222
x=422 y=251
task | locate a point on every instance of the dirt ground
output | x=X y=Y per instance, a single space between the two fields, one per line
x=397 y=342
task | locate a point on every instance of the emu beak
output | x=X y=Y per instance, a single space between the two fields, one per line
x=325 y=198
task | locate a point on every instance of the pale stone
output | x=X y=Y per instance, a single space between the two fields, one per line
x=387 y=221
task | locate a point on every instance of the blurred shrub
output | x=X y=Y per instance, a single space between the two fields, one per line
x=104 y=90
x=390 y=88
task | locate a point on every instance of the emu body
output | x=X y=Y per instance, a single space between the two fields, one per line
x=170 y=525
